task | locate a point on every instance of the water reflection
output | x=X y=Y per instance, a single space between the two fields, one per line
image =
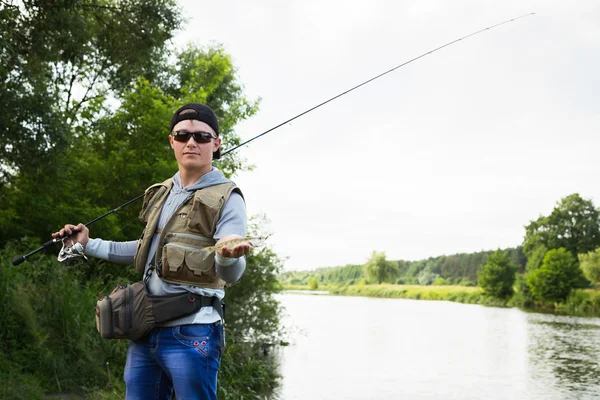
x=355 y=348
x=566 y=349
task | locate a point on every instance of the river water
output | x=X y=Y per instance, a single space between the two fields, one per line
x=358 y=348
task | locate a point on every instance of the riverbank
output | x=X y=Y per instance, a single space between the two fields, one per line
x=584 y=302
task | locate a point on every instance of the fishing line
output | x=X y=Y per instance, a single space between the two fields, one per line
x=19 y=259
x=375 y=77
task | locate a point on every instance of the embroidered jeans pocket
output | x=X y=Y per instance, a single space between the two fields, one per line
x=197 y=336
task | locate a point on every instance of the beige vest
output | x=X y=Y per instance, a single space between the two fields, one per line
x=190 y=228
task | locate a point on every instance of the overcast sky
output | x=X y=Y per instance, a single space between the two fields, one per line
x=453 y=153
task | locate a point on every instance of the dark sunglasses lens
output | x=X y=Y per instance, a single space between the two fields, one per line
x=202 y=137
x=181 y=137
x=199 y=137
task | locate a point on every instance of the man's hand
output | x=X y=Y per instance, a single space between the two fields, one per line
x=82 y=236
x=236 y=251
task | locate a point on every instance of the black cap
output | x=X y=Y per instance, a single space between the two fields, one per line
x=199 y=112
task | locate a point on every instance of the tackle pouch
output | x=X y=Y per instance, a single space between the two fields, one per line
x=126 y=313
x=129 y=312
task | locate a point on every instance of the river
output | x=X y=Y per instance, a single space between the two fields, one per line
x=358 y=348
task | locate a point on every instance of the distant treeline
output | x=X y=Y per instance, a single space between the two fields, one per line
x=456 y=269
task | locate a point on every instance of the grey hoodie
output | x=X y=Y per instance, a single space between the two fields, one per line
x=232 y=221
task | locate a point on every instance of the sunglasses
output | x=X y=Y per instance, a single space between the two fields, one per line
x=199 y=137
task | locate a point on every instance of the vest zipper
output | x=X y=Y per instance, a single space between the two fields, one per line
x=196 y=249
x=187 y=236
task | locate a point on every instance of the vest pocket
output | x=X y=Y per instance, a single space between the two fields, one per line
x=178 y=259
x=203 y=215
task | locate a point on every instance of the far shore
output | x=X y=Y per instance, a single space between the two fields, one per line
x=582 y=302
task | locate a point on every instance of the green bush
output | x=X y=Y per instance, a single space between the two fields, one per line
x=590 y=265
x=497 y=276
x=522 y=296
x=48 y=326
x=585 y=302
x=556 y=277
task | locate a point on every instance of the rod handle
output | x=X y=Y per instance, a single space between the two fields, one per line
x=18 y=260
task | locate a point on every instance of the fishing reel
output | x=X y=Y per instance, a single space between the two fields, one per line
x=73 y=251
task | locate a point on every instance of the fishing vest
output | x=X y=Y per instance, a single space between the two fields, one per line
x=190 y=229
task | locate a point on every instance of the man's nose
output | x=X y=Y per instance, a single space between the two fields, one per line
x=192 y=140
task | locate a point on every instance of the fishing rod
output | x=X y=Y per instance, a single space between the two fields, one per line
x=376 y=77
x=18 y=260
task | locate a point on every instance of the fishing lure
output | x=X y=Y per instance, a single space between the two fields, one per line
x=252 y=241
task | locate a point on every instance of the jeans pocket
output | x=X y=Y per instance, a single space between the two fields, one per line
x=197 y=336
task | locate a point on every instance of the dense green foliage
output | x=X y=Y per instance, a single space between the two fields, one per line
x=48 y=341
x=497 y=276
x=349 y=274
x=457 y=269
x=574 y=224
x=379 y=270
x=60 y=59
x=555 y=278
x=590 y=265
x=580 y=301
x=88 y=93
x=554 y=245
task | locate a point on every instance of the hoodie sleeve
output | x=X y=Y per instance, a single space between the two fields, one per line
x=118 y=252
x=231 y=222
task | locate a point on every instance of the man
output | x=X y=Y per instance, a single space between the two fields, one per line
x=196 y=208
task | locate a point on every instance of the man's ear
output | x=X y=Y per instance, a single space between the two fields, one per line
x=216 y=144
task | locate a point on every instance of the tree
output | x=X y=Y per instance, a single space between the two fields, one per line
x=497 y=276
x=590 y=265
x=556 y=277
x=60 y=59
x=536 y=257
x=574 y=224
x=378 y=269
x=427 y=277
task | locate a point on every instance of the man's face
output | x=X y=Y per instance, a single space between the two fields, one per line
x=191 y=154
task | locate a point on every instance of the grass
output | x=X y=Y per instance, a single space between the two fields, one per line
x=581 y=301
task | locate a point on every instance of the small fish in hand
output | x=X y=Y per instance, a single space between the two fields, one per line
x=252 y=241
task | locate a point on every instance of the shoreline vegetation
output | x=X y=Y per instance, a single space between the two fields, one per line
x=581 y=302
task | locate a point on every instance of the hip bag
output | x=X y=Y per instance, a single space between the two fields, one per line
x=130 y=312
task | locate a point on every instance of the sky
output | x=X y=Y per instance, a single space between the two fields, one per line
x=453 y=153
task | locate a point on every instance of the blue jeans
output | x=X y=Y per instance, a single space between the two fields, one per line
x=184 y=359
